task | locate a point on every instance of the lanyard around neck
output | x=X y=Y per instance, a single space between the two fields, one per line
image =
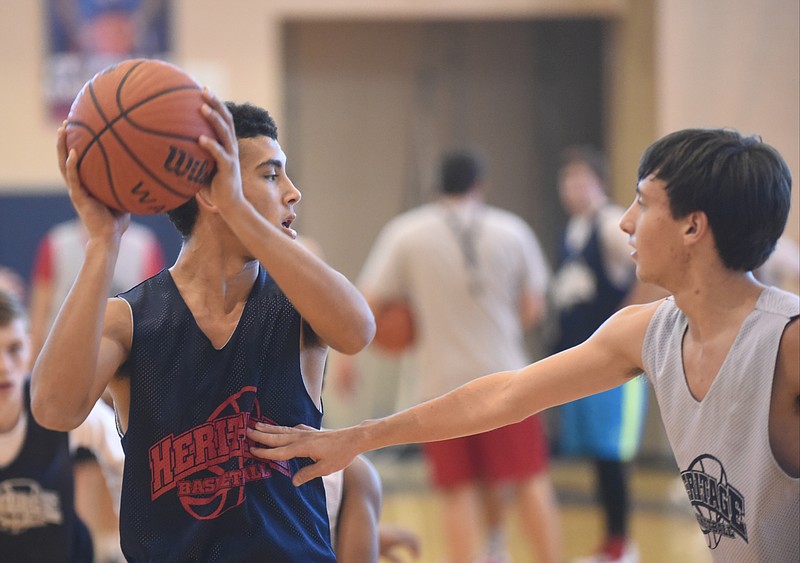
x=466 y=232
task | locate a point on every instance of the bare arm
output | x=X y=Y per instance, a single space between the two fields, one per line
x=784 y=416
x=609 y=358
x=331 y=305
x=87 y=342
x=357 y=528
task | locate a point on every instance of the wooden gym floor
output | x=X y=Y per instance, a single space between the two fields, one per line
x=662 y=524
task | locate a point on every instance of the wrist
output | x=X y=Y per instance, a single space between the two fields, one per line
x=368 y=436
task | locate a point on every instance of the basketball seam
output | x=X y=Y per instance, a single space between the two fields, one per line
x=125 y=147
x=108 y=127
x=105 y=159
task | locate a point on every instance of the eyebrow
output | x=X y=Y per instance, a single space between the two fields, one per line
x=272 y=162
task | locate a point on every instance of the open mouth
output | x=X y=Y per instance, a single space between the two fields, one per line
x=287 y=226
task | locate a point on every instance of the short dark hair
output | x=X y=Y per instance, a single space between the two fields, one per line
x=460 y=170
x=249 y=121
x=590 y=156
x=742 y=184
x=11 y=308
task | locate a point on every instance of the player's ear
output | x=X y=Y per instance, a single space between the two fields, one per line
x=204 y=201
x=695 y=226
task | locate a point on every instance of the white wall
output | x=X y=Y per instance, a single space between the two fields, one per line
x=732 y=63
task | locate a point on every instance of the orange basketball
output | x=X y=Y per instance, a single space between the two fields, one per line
x=135 y=127
x=394 y=327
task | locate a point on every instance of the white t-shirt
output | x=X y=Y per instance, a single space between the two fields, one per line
x=466 y=309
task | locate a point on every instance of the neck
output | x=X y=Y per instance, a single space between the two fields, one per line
x=717 y=300
x=9 y=416
x=472 y=197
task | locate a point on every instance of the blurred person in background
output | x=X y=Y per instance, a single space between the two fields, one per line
x=474 y=278
x=595 y=278
x=38 y=521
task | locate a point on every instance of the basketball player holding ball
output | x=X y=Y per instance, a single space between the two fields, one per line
x=235 y=332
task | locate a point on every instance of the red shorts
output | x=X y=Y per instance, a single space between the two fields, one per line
x=508 y=454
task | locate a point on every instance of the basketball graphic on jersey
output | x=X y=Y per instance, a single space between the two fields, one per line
x=210 y=464
x=719 y=507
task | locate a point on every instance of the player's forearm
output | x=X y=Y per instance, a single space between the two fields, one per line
x=63 y=386
x=481 y=405
x=327 y=300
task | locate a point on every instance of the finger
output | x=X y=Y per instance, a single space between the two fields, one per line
x=220 y=106
x=273 y=454
x=72 y=177
x=288 y=430
x=216 y=150
x=221 y=122
x=270 y=440
x=307 y=473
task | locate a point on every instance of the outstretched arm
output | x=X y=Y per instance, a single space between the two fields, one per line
x=609 y=358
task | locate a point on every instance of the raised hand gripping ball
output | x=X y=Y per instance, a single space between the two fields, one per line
x=135 y=127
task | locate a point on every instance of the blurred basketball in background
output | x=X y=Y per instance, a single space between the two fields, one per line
x=135 y=127
x=394 y=324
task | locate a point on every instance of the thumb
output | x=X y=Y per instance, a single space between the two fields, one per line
x=306 y=474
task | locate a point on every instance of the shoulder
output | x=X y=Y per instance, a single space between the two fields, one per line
x=118 y=321
x=412 y=218
x=506 y=217
x=406 y=228
x=510 y=224
x=625 y=331
x=634 y=317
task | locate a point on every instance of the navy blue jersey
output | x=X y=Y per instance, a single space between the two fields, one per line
x=191 y=489
x=37 y=513
x=577 y=323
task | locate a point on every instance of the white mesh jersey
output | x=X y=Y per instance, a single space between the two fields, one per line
x=746 y=505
